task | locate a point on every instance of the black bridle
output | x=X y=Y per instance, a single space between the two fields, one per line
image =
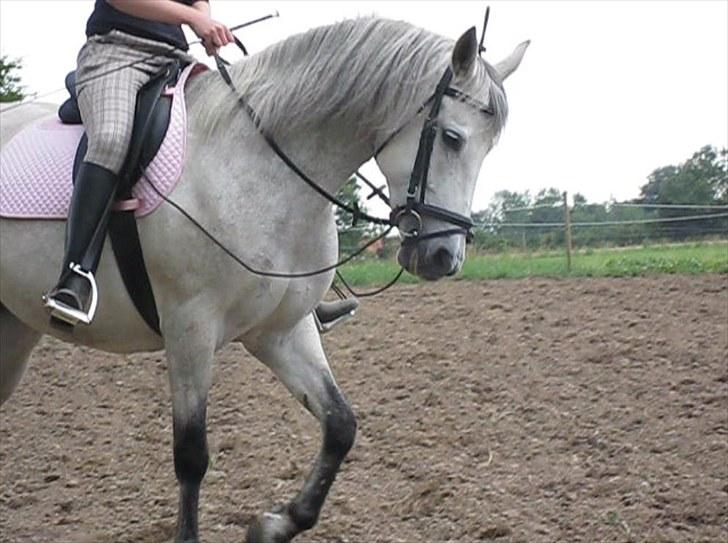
x=408 y=217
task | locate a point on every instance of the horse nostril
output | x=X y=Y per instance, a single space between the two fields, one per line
x=443 y=260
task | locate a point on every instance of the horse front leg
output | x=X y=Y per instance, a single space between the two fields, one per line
x=189 y=353
x=16 y=342
x=298 y=360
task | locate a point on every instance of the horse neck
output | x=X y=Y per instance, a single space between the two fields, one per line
x=328 y=152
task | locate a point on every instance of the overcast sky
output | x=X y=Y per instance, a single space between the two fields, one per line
x=607 y=92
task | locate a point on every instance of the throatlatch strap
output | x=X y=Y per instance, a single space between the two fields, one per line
x=123 y=230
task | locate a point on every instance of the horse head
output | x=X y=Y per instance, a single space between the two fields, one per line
x=446 y=141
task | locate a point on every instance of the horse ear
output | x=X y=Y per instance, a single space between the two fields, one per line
x=464 y=54
x=509 y=64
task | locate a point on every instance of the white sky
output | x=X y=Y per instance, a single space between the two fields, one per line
x=607 y=92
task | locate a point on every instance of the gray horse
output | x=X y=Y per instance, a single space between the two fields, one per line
x=332 y=98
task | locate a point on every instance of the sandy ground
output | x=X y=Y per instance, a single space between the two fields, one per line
x=511 y=411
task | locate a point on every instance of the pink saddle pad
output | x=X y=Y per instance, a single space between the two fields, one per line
x=36 y=166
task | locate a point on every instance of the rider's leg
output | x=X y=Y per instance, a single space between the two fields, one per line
x=88 y=215
x=107 y=107
x=111 y=70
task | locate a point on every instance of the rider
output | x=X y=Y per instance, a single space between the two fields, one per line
x=129 y=42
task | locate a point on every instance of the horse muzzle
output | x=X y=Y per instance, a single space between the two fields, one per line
x=433 y=258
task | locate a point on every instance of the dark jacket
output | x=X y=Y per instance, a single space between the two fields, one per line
x=106 y=18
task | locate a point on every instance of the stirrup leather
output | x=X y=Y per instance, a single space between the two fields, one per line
x=71 y=315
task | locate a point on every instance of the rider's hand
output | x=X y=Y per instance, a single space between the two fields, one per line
x=213 y=33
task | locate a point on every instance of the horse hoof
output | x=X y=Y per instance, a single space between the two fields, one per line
x=271 y=528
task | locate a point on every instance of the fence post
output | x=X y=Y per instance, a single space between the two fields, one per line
x=567 y=231
x=524 y=243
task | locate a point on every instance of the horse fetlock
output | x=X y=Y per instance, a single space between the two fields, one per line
x=303 y=516
x=275 y=527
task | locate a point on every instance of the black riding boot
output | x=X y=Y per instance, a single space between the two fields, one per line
x=88 y=218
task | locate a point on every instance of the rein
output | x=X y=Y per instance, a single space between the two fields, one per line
x=413 y=210
x=356 y=213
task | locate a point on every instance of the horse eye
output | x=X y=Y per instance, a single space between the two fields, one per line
x=452 y=139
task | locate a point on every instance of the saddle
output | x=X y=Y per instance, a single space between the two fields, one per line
x=151 y=120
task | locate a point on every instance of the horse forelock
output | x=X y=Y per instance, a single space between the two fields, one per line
x=373 y=72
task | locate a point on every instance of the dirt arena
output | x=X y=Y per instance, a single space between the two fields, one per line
x=511 y=411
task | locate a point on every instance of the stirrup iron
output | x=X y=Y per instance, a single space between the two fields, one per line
x=324 y=327
x=71 y=315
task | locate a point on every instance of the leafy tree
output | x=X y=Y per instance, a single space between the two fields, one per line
x=351 y=236
x=505 y=207
x=579 y=199
x=548 y=208
x=700 y=180
x=10 y=88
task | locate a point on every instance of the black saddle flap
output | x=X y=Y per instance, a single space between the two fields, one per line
x=151 y=119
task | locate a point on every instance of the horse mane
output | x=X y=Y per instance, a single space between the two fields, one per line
x=375 y=72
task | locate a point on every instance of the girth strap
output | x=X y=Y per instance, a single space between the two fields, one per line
x=125 y=242
x=123 y=230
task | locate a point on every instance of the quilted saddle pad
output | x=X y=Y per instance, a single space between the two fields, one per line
x=36 y=166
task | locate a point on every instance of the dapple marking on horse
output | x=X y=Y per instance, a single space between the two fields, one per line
x=330 y=97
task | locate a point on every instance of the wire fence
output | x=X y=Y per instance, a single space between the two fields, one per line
x=558 y=225
x=549 y=226
x=602 y=223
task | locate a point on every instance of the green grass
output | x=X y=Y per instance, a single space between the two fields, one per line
x=623 y=262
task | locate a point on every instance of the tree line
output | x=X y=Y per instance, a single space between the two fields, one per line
x=533 y=221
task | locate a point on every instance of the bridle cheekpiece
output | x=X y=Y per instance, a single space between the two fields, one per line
x=408 y=217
